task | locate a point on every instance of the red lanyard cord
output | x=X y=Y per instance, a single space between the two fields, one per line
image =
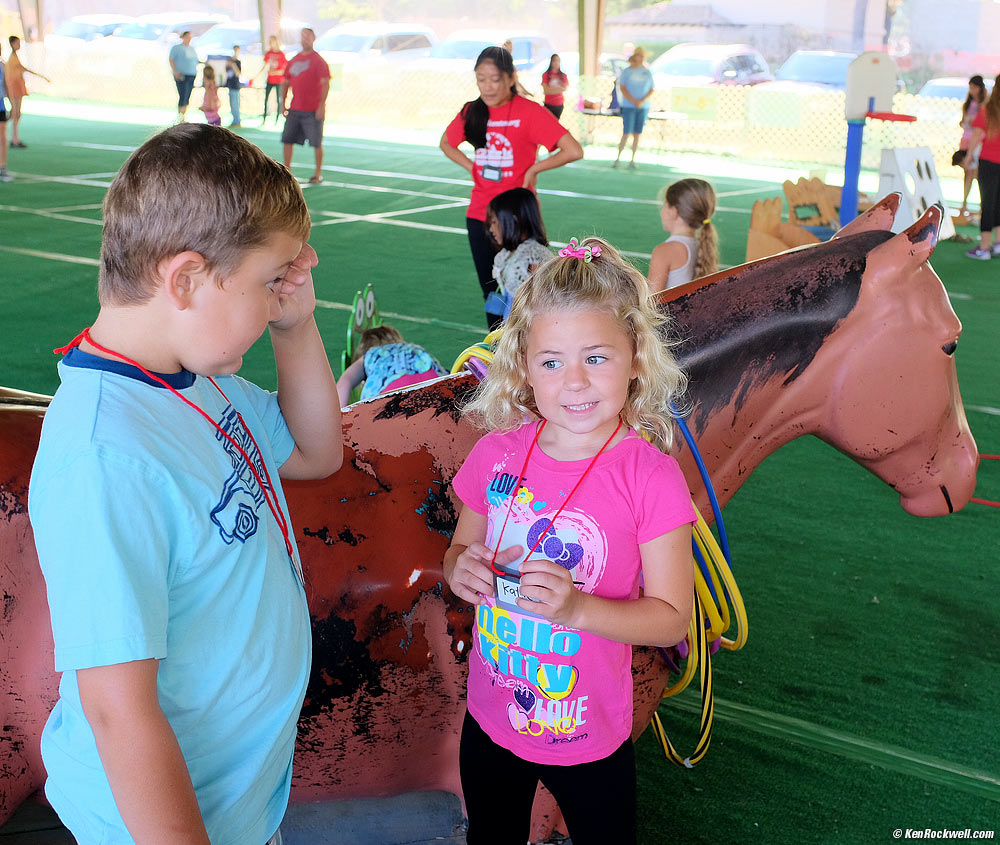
x=266 y=489
x=552 y=522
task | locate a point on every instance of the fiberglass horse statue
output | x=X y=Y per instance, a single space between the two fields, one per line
x=852 y=340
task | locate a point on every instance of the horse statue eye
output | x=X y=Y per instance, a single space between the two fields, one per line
x=949 y=348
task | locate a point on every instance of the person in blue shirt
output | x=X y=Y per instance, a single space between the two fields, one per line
x=184 y=66
x=635 y=87
x=174 y=585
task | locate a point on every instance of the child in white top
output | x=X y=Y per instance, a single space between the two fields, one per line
x=579 y=371
x=692 y=251
x=514 y=223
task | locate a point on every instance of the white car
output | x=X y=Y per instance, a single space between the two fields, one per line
x=140 y=49
x=461 y=48
x=77 y=30
x=363 y=42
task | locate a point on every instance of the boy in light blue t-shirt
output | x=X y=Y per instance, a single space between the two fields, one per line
x=174 y=585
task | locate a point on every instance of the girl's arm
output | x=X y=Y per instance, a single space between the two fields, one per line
x=352 y=377
x=456 y=155
x=659 y=617
x=467 y=561
x=666 y=257
x=143 y=762
x=569 y=149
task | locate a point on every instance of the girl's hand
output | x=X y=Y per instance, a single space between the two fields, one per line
x=530 y=178
x=472 y=577
x=555 y=595
x=296 y=293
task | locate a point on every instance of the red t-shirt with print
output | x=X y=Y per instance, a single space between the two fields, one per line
x=305 y=73
x=547 y=79
x=513 y=133
x=991 y=143
x=276 y=62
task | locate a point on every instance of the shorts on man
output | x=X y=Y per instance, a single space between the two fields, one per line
x=184 y=87
x=3 y=116
x=302 y=126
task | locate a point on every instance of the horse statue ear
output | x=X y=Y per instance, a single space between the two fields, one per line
x=879 y=217
x=905 y=253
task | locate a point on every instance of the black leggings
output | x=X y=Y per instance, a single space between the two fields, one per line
x=556 y=110
x=276 y=87
x=482 y=256
x=989 y=194
x=597 y=799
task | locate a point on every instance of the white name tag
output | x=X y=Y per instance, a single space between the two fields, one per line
x=491 y=173
x=507 y=589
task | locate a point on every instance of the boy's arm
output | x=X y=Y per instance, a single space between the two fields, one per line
x=307 y=390
x=142 y=759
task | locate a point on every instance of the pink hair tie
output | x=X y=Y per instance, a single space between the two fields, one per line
x=574 y=250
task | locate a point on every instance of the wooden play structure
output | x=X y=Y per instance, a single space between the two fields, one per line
x=811 y=203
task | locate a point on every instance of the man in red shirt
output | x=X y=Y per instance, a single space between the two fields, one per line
x=309 y=78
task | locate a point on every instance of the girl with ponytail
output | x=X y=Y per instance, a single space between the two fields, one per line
x=692 y=251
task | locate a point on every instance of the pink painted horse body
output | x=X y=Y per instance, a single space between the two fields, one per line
x=850 y=340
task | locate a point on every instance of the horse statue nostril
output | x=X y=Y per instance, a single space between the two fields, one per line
x=949 y=348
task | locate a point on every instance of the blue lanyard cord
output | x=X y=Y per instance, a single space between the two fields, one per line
x=706 y=480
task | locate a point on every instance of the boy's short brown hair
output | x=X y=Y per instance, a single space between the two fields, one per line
x=192 y=187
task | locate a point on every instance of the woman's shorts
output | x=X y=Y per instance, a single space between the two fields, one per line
x=184 y=87
x=3 y=116
x=302 y=126
x=633 y=120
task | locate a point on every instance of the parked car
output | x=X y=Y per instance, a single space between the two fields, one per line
x=221 y=38
x=139 y=49
x=462 y=47
x=87 y=28
x=950 y=87
x=352 y=43
x=825 y=69
x=710 y=64
x=164 y=28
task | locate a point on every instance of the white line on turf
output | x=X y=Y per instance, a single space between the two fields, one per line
x=54 y=256
x=43 y=213
x=984 y=409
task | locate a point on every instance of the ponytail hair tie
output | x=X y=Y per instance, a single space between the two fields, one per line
x=706 y=221
x=574 y=250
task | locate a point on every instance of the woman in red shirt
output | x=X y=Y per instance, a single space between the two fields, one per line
x=986 y=129
x=505 y=130
x=275 y=62
x=554 y=84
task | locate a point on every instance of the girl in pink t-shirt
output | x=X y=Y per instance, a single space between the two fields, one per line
x=565 y=507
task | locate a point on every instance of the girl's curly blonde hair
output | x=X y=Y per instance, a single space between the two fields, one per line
x=607 y=282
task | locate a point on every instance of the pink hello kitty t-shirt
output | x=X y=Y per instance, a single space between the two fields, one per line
x=548 y=693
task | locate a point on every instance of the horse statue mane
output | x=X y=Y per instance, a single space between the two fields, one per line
x=852 y=340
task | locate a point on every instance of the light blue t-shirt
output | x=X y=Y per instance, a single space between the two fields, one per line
x=185 y=59
x=156 y=542
x=384 y=364
x=639 y=82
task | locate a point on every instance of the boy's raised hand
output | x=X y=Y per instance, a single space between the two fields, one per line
x=297 y=294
